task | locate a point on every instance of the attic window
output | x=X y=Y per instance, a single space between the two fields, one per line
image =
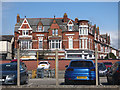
x=39 y=28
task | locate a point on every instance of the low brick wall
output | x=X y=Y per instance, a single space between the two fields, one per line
x=32 y=64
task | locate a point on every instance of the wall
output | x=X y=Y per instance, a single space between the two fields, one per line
x=3 y=46
x=32 y=65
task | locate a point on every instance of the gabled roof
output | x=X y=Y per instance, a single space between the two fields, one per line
x=33 y=22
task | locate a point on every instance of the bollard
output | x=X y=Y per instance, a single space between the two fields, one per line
x=33 y=73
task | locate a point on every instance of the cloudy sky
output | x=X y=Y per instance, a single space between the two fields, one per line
x=103 y=14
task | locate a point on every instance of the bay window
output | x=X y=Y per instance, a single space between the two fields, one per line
x=25 y=44
x=55 y=44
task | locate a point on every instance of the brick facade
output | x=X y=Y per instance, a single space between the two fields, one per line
x=73 y=39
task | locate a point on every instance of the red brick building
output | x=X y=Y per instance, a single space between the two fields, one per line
x=73 y=38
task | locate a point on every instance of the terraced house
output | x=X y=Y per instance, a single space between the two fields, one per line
x=74 y=39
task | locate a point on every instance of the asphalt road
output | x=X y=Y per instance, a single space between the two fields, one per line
x=52 y=81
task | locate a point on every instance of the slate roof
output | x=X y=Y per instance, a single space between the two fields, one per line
x=46 y=23
x=6 y=37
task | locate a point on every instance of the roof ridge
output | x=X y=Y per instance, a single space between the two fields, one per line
x=41 y=18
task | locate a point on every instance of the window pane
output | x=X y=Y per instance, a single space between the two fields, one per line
x=53 y=45
x=26 y=32
x=39 y=28
x=40 y=44
x=56 y=32
x=56 y=45
x=52 y=32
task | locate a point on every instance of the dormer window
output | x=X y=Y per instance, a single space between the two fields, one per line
x=24 y=32
x=55 y=32
x=70 y=25
x=40 y=28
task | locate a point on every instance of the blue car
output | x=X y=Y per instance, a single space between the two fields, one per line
x=80 y=71
x=9 y=74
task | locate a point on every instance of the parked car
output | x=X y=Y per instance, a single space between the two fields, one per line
x=44 y=64
x=102 y=69
x=9 y=74
x=113 y=75
x=107 y=64
x=21 y=62
x=80 y=71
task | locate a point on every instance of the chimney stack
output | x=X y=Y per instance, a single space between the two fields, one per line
x=65 y=17
x=18 y=18
x=76 y=20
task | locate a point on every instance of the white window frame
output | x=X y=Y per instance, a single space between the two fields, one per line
x=89 y=43
x=70 y=25
x=40 y=28
x=53 y=32
x=40 y=39
x=70 y=43
x=84 y=30
x=24 y=32
x=27 y=44
x=80 y=44
x=86 y=43
x=83 y=43
x=54 y=42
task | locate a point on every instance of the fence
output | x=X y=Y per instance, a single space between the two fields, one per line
x=32 y=64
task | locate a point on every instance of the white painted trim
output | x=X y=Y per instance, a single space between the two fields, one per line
x=25 y=23
x=70 y=24
x=83 y=25
x=25 y=36
x=34 y=40
x=70 y=44
x=69 y=34
x=76 y=40
x=45 y=40
x=65 y=40
x=39 y=34
x=83 y=37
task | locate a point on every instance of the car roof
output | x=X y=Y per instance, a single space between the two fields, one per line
x=15 y=60
x=107 y=62
x=82 y=60
x=43 y=61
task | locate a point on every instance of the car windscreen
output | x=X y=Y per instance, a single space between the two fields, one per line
x=107 y=63
x=81 y=64
x=43 y=63
x=8 y=67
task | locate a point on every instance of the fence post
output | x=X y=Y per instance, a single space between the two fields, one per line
x=18 y=67
x=96 y=64
x=56 y=67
